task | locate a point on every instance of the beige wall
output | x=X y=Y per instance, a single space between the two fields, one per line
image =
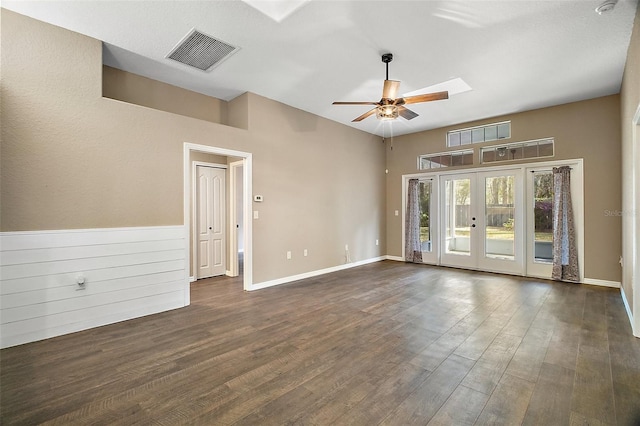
x=135 y=89
x=314 y=172
x=630 y=102
x=588 y=130
x=72 y=159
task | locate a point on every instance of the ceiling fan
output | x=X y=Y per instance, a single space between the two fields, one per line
x=390 y=107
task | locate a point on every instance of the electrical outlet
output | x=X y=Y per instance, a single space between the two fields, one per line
x=81 y=281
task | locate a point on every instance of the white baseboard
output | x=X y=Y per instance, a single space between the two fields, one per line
x=284 y=280
x=629 y=314
x=395 y=258
x=590 y=281
x=192 y=279
x=602 y=283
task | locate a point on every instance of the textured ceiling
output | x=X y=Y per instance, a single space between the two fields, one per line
x=515 y=55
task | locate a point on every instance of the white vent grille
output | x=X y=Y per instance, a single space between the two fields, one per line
x=201 y=51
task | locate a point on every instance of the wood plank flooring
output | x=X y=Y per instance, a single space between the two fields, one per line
x=387 y=343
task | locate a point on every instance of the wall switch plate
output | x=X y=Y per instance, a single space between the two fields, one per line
x=256 y=215
x=397 y=213
x=377 y=242
x=288 y=255
x=306 y=253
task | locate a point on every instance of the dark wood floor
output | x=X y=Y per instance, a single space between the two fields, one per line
x=387 y=343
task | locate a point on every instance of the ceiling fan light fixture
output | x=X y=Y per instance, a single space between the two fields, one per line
x=387 y=112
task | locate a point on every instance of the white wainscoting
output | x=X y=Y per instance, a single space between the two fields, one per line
x=128 y=273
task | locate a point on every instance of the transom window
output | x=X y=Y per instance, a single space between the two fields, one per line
x=479 y=134
x=446 y=159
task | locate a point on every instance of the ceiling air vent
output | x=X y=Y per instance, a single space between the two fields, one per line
x=201 y=51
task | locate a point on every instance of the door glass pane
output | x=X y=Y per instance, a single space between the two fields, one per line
x=499 y=217
x=425 y=190
x=457 y=212
x=543 y=216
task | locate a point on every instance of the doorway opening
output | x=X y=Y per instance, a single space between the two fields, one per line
x=238 y=200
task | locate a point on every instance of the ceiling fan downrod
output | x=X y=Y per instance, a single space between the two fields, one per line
x=386 y=58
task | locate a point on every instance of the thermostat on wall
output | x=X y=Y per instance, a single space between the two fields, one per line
x=257 y=198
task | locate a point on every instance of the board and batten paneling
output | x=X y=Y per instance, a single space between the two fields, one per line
x=128 y=273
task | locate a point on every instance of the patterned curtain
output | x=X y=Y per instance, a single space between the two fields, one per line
x=412 y=247
x=565 y=256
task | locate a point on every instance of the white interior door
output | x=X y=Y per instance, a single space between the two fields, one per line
x=211 y=208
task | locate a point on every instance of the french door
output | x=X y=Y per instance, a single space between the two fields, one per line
x=498 y=220
x=482 y=221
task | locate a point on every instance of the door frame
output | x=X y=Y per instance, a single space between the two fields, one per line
x=234 y=267
x=194 y=213
x=577 y=185
x=247 y=171
x=632 y=220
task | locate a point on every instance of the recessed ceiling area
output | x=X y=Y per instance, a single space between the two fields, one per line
x=513 y=55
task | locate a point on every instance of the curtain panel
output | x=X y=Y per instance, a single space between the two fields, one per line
x=565 y=255
x=412 y=248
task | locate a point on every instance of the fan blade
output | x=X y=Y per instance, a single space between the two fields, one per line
x=406 y=113
x=427 y=97
x=355 y=103
x=365 y=115
x=390 y=89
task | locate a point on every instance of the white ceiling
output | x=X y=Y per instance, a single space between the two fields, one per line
x=515 y=55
